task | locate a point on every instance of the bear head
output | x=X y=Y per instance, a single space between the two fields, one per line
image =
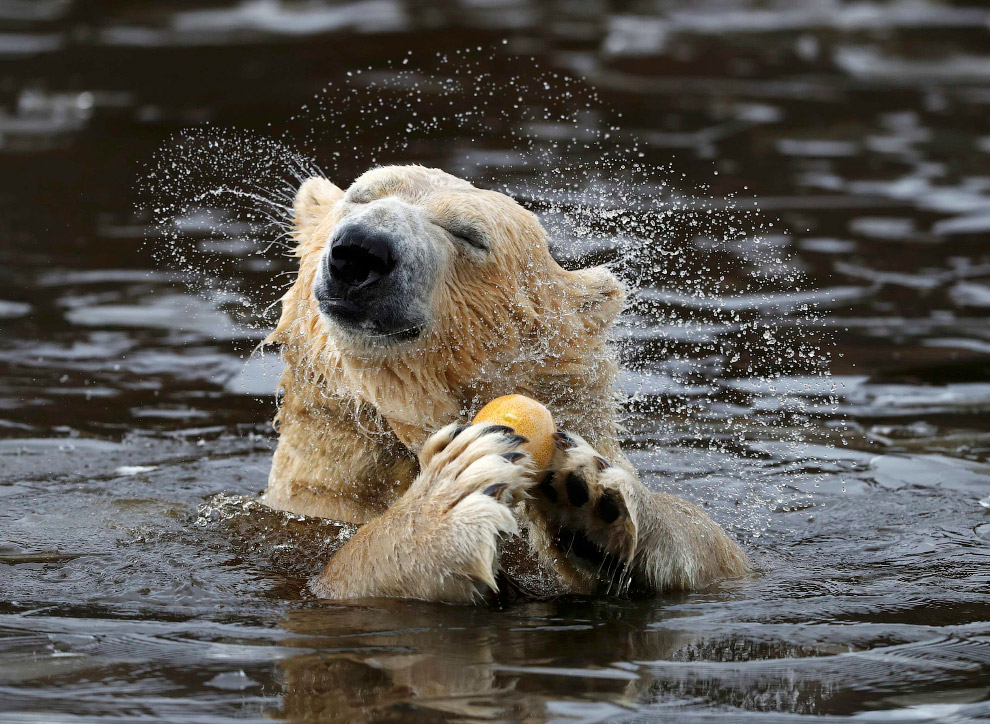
x=425 y=297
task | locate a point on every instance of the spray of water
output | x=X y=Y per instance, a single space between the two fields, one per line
x=726 y=365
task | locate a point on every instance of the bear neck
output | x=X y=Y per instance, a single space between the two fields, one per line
x=422 y=392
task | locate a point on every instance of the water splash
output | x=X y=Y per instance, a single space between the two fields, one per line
x=294 y=544
x=724 y=345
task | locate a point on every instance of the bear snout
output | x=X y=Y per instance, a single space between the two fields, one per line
x=358 y=259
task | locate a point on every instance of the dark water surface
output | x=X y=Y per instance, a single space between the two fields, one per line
x=130 y=590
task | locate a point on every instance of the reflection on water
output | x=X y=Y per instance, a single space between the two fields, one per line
x=131 y=589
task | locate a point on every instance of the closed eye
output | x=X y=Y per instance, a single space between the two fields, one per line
x=467 y=234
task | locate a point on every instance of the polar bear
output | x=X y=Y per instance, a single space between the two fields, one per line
x=418 y=299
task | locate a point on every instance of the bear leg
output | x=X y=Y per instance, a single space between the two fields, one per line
x=439 y=542
x=604 y=531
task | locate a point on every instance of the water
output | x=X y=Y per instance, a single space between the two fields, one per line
x=128 y=404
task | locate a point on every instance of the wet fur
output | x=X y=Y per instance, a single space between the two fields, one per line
x=356 y=410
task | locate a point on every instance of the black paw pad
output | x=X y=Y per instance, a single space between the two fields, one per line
x=549 y=492
x=517 y=439
x=577 y=490
x=610 y=506
x=563 y=441
x=514 y=456
x=458 y=430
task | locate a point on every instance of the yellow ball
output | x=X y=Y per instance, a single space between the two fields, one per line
x=527 y=417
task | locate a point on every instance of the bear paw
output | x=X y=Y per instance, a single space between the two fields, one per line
x=583 y=517
x=439 y=541
x=459 y=460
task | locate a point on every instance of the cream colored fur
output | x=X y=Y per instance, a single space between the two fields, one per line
x=355 y=412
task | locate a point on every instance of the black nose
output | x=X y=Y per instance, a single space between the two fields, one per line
x=359 y=257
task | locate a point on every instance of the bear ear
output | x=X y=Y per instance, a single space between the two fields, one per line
x=313 y=201
x=598 y=295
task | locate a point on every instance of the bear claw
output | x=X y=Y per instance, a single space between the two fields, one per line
x=492 y=429
x=563 y=441
x=495 y=490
